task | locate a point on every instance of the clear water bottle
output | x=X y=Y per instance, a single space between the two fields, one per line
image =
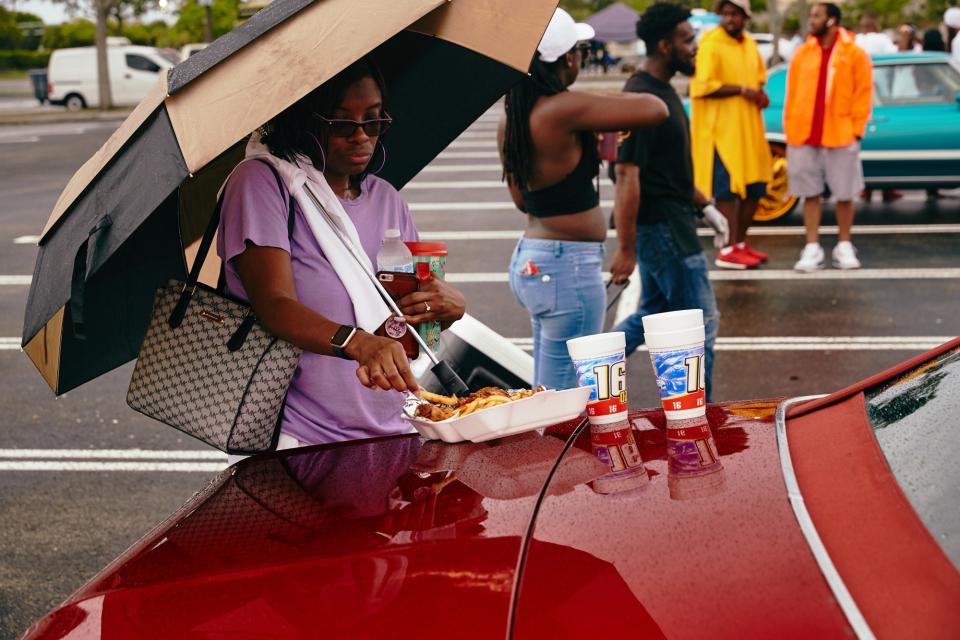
x=394 y=254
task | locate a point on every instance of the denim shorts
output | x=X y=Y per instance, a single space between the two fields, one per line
x=560 y=284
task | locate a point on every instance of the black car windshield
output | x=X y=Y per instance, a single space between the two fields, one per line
x=916 y=420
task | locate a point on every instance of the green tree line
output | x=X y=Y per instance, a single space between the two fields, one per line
x=80 y=32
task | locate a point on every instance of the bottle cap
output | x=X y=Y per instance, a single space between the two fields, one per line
x=392 y=233
x=427 y=248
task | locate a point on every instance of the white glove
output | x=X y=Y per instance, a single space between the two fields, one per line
x=716 y=220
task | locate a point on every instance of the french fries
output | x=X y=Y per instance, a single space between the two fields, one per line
x=436 y=398
x=438 y=407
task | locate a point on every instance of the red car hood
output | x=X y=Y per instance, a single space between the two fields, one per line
x=399 y=538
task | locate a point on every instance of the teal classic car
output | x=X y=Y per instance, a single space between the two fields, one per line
x=913 y=136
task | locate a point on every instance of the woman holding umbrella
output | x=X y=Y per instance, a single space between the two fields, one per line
x=550 y=161
x=349 y=383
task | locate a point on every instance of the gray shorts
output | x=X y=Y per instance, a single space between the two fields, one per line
x=809 y=168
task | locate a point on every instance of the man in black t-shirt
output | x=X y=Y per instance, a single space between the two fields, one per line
x=656 y=205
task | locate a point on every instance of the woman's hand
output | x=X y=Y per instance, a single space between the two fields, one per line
x=436 y=300
x=383 y=363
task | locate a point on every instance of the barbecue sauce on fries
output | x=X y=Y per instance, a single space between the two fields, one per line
x=438 y=407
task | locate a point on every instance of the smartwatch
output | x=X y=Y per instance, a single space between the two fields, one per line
x=340 y=340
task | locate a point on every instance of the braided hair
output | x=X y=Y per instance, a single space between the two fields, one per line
x=543 y=80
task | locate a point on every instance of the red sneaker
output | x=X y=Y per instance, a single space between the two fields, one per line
x=733 y=258
x=750 y=251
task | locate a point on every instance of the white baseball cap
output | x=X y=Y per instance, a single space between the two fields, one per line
x=951 y=17
x=561 y=35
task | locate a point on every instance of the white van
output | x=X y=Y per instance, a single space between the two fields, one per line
x=72 y=74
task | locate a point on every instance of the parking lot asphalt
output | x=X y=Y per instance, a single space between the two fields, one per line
x=83 y=476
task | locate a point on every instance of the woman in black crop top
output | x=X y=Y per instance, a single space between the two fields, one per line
x=548 y=149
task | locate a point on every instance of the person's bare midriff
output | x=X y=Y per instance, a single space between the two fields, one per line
x=585 y=226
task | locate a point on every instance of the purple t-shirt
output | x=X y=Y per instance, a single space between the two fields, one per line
x=325 y=402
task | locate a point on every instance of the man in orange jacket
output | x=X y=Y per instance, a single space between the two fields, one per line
x=829 y=95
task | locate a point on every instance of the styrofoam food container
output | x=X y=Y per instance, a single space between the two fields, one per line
x=539 y=410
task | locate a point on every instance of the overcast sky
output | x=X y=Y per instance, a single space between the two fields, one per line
x=54 y=12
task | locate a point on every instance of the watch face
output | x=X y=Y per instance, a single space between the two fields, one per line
x=341 y=336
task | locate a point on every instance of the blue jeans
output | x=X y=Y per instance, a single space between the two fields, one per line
x=671 y=282
x=565 y=299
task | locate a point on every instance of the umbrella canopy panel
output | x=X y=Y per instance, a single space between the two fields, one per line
x=461 y=86
x=121 y=225
x=116 y=208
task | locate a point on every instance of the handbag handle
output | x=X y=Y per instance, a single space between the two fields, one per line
x=190 y=286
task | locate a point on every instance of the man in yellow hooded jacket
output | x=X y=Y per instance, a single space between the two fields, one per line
x=731 y=158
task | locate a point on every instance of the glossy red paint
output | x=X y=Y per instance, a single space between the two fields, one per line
x=902 y=581
x=373 y=539
x=400 y=538
x=714 y=552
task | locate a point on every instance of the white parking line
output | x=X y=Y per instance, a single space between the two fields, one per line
x=480 y=277
x=865 y=230
x=453 y=168
x=114 y=454
x=45 y=465
x=813 y=343
x=462 y=206
x=513 y=234
x=452 y=155
x=472 y=144
x=20 y=140
x=204 y=461
x=467 y=184
x=486 y=277
x=837 y=274
x=487 y=205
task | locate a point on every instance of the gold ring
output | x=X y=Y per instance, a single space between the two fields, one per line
x=426 y=306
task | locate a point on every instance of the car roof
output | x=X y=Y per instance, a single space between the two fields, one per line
x=922 y=56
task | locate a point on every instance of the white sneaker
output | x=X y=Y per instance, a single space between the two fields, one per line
x=845 y=256
x=811 y=258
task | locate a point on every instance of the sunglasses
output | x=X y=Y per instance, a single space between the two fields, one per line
x=346 y=128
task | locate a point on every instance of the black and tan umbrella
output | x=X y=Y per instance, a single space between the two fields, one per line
x=126 y=222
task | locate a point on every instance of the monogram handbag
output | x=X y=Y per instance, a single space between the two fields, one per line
x=207 y=368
